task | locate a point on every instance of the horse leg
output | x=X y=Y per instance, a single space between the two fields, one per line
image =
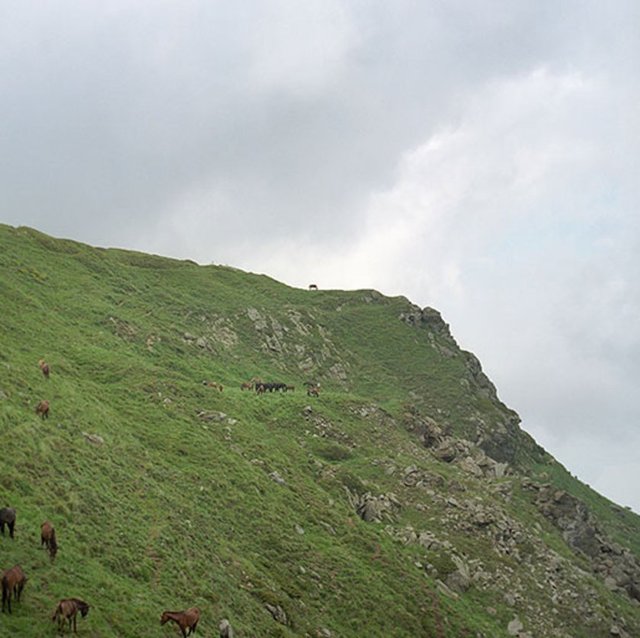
x=11 y=526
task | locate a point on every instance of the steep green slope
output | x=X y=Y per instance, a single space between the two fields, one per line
x=404 y=501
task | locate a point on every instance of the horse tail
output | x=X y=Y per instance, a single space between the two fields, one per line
x=6 y=593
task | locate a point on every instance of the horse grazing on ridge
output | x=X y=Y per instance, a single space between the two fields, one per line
x=48 y=538
x=8 y=518
x=13 y=581
x=43 y=409
x=68 y=609
x=44 y=366
x=184 y=619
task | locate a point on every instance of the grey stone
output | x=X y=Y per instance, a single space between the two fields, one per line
x=226 y=631
x=515 y=627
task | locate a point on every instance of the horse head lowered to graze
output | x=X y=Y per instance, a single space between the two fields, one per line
x=48 y=538
x=13 y=581
x=184 y=619
x=44 y=366
x=43 y=409
x=8 y=518
x=68 y=609
x=213 y=384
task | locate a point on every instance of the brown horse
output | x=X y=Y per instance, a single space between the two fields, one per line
x=8 y=518
x=48 y=538
x=44 y=366
x=68 y=609
x=43 y=409
x=213 y=384
x=184 y=619
x=246 y=385
x=13 y=581
x=313 y=391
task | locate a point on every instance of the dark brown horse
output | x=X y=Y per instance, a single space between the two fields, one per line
x=184 y=619
x=7 y=517
x=13 y=581
x=48 y=538
x=68 y=609
x=43 y=409
x=44 y=366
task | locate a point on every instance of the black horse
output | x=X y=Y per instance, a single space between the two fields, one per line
x=7 y=517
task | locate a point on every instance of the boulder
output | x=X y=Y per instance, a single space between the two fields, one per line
x=226 y=631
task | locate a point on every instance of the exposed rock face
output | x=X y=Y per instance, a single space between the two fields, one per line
x=501 y=440
x=616 y=565
x=472 y=458
x=288 y=337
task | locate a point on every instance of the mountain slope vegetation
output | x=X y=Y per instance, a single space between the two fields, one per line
x=404 y=500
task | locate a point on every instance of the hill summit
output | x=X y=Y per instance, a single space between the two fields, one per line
x=291 y=462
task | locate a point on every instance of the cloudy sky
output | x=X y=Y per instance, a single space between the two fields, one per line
x=477 y=157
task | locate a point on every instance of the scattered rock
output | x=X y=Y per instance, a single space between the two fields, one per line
x=515 y=627
x=95 y=439
x=374 y=508
x=275 y=476
x=226 y=631
x=278 y=613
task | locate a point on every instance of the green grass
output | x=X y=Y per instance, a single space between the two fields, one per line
x=173 y=510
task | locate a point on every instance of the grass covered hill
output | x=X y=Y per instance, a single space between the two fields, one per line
x=404 y=500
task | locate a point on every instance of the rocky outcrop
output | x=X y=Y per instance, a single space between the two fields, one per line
x=616 y=565
x=471 y=457
x=373 y=509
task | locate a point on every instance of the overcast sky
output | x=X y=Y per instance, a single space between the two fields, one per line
x=477 y=157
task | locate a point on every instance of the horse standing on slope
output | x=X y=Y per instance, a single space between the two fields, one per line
x=13 y=582
x=44 y=366
x=184 y=619
x=43 y=409
x=8 y=518
x=68 y=609
x=48 y=538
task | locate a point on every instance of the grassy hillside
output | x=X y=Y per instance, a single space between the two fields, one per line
x=167 y=494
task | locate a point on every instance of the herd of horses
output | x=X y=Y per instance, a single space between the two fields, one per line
x=13 y=580
x=262 y=387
